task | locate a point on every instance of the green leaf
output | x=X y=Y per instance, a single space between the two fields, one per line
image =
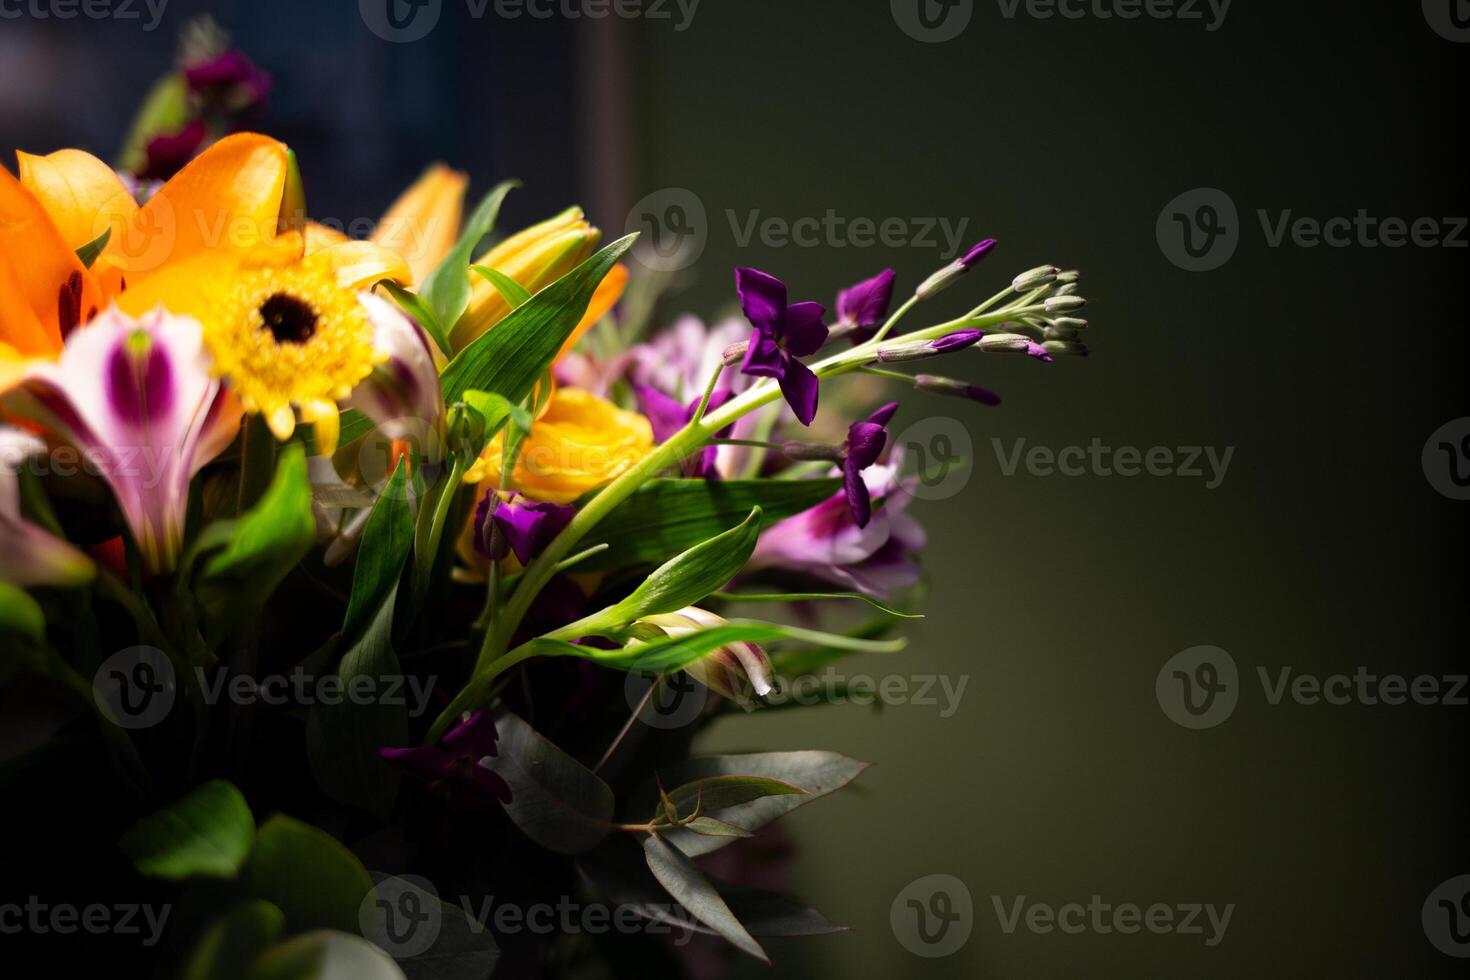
x=555 y=800
x=447 y=288
x=342 y=739
x=815 y=596
x=206 y=833
x=293 y=197
x=722 y=792
x=664 y=517
x=325 y=955
x=258 y=549
x=414 y=306
x=710 y=827
x=693 y=890
x=461 y=948
x=687 y=578
x=234 y=941
x=316 y=882
x=164 y=111
x=20 y=615
x=509 y=359
x=515 y=294
x=386 y=542
x=817 y=773
x=677 y=652
x=88 y=253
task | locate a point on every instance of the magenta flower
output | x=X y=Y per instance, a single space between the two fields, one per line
x=865 y=442
x=462 y=760
x=863 y=308
x=232 y=75
x=512 y=524
x=826 y=543
x=136 y=397
x=29 y=555
x=784 y=332
x=667 y=417
x=402 y=394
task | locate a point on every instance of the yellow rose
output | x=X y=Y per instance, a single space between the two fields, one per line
x=580 y=442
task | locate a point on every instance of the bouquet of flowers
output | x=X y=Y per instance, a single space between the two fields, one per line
x=378 y=582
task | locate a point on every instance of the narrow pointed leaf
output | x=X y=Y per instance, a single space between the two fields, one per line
x=683 y=880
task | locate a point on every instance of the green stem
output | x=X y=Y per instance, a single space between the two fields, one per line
x=893 y=320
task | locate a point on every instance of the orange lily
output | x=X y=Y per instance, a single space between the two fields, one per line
x=280 y=309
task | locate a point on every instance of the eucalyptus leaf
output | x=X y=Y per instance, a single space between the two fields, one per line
x=722 y=792
x=206 y=833
x=509 y=359
x=683 y=880
x=315 y=881
x=460 y=946
x=234 y=941
x=555 y=800
x=710 y=827
x=664 y=517
x=818 y=773
x=447 y=288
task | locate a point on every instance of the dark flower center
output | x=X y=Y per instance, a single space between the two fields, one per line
x=290 y=320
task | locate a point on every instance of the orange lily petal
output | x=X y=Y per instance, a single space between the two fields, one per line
x=228 y=197
x=606 y=296
x=84 y=198
x=45 y=291
x=423 y=224
x=361 y=264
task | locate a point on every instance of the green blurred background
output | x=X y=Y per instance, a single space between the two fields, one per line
x=1058 y=599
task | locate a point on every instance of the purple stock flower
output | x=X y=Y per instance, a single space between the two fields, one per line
x=977 y=252
x=462 y=758
x=233 y=74
x=958 y=340
x=784 y=333
x=512 y=524
x=865 y=442
x=667 y=417
x=864 y=307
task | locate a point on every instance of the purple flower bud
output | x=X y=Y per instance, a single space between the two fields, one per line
x=512 y=524
x=946 y=277
x=977 y=252
x=958 y=340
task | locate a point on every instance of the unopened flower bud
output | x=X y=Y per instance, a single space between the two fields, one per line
x=1065 y=348
x=951 y=388
x=735 y=670
x=1069 y=278
x=947 y=276
x=1033 y=278
x=735 y=353
x=812 y=452
x=1070 y=323
x=1064 y=304
x=917 y=350
x=1068 y=289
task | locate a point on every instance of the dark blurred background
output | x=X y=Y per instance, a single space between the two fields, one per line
x=1325 y=548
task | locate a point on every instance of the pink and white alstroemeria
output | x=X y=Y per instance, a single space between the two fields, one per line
x=137 y=399
x=402 y=394
x=28 y=554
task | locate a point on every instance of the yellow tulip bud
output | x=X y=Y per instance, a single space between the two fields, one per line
x=535 y=258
